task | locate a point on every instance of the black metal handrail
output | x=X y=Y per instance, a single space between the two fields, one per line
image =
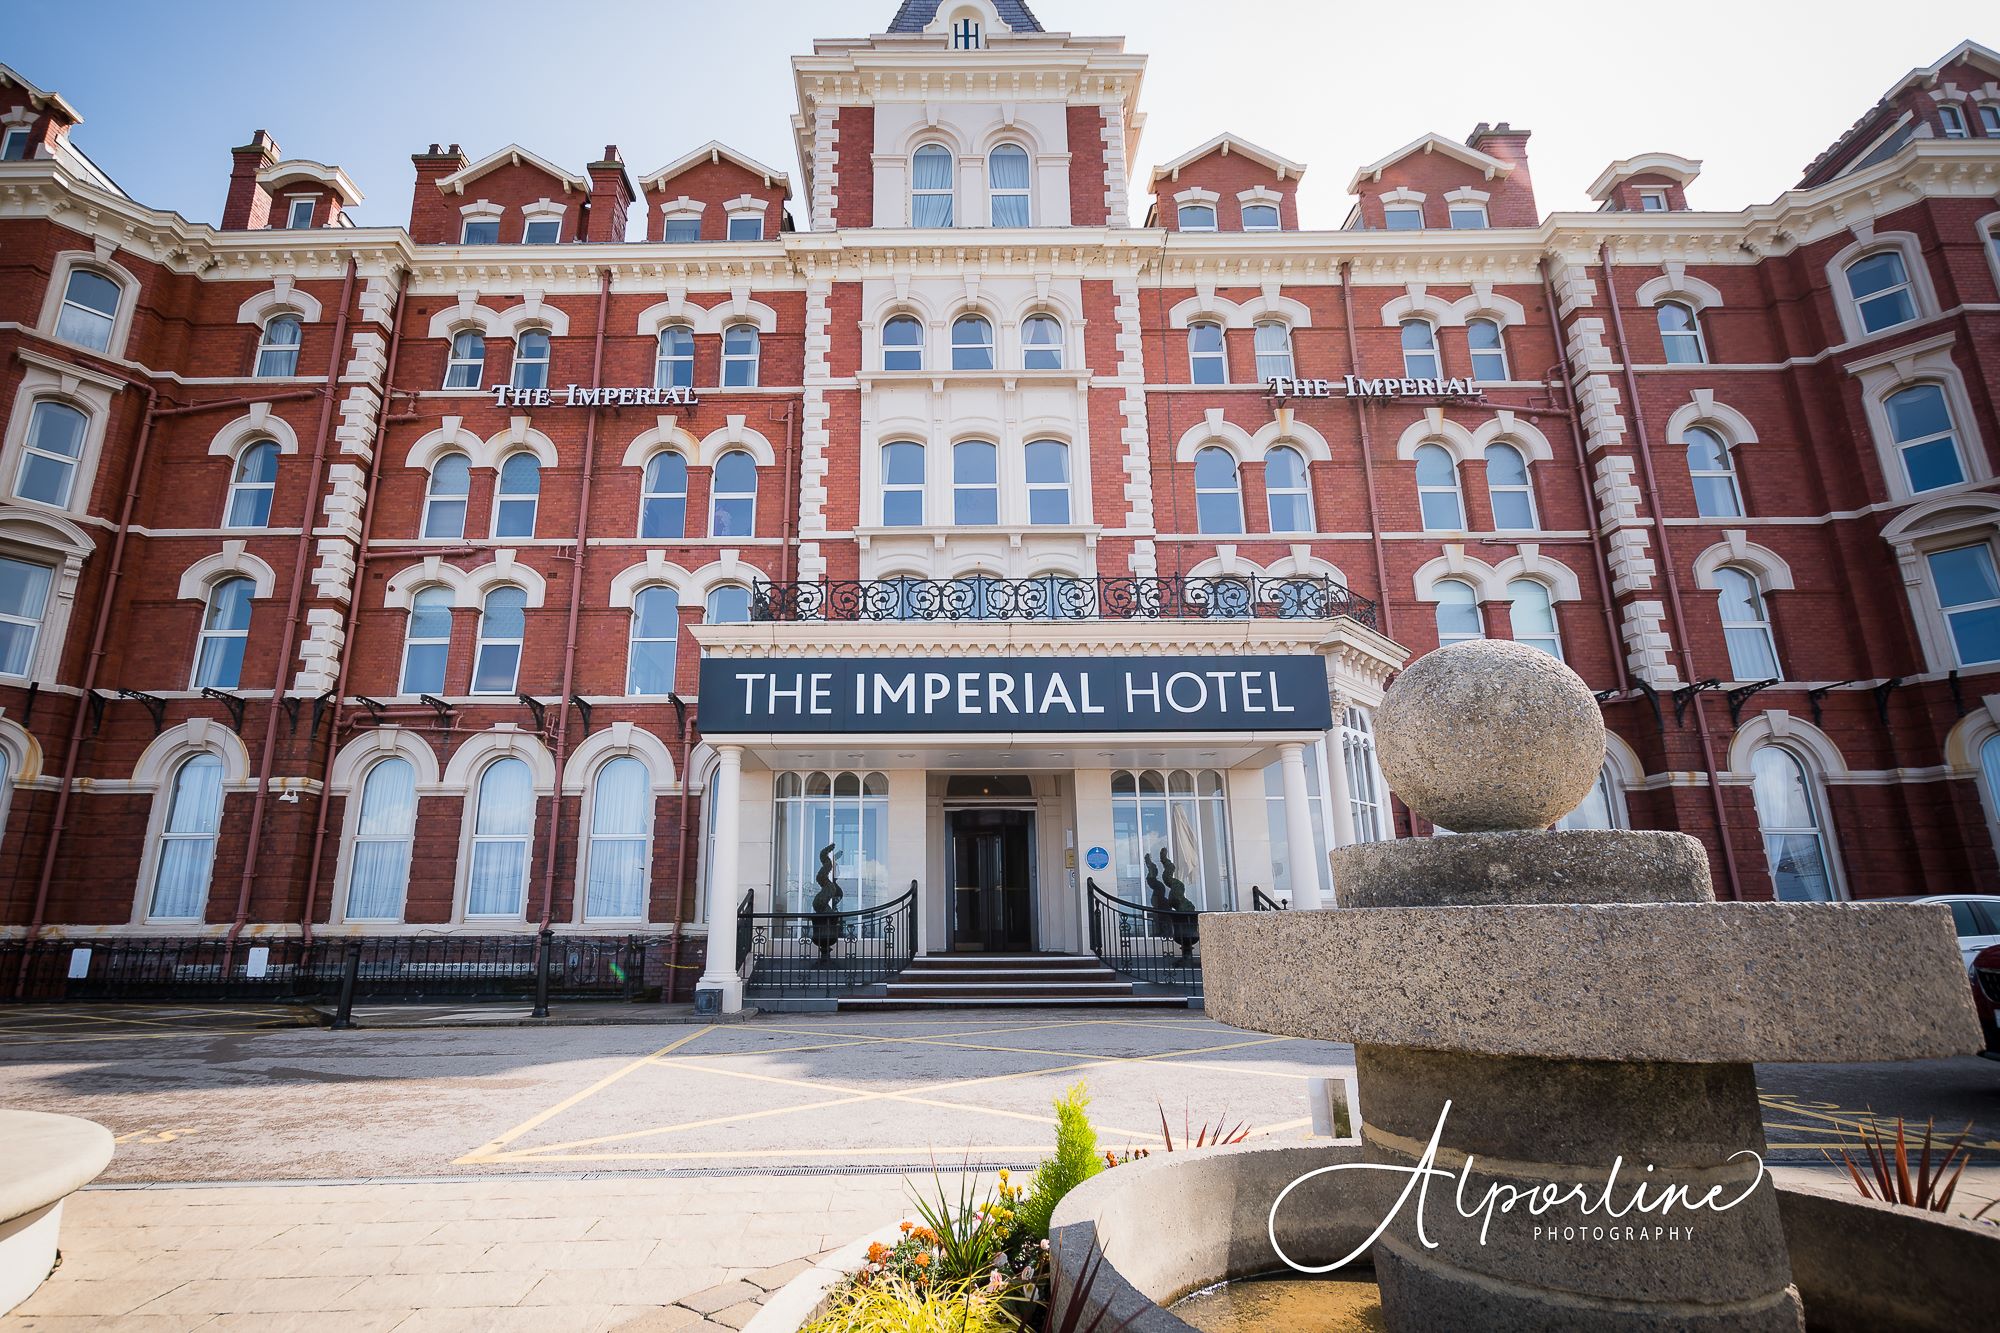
x=1061 y=597
x=743 y=911
x=1261 y=901
x=828 y=953
x=1150 y=944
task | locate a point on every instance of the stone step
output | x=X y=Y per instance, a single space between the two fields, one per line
x=984 y=989
x=880 y=1002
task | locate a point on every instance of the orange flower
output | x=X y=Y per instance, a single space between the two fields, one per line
x=877 y=1252
x=923 y=1261
x=907 y=1226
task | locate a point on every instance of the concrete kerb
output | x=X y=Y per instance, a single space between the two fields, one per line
x=804 y=1298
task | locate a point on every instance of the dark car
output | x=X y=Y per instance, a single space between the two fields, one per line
x=1986 y=997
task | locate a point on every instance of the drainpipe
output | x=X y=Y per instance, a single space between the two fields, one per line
x=316 y=486
x=789 y=516
x=1367 y=453
x=100 y=632
x=1668 y=567
x=575 y=604
x=353 y=613
x=680 y=851
x=1597 y=538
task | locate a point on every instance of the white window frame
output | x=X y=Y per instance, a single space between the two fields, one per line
x=1435 y=352
x=1551 y=642
x=1471 y=210
x=1952 y=117
x=358 y=797
x=913 y=350
x=474 y=838
x=716 y=495
x=238 y=486
x=1903 y=447
x=1440 y=602
x=212 y=633
x=1525 y=487
x=1181 y=212
x=1907 y=288
x=1653 y=200
x=292 y=206
x=591 y=838
x=37 y=625
x=988 y=346
x=1302 y=492
x=163 y=836
x=55 y=297
x=1062 y=488
x=735 y=359
x=1273 y=364
x=487 y=639
x=1456 y=490
x=647 y=495
x=918 y=488
x=1822 y=829
x=1234 y=490
x=18 y=464
x=25 y=133
x=1025 y=193
x=268 y=348
x=432 y=497
x=948 y=192
x=1404 y=209
x=528 y=231
x=1277 y=215
x=90 y=316
x=1670 y=338
x=454 y=363
x=410 y=640
x=504 y=499
x=1947 y=610
x=1726 y=473
x=1763 y=629
x=666 y=363
x=1496 y=352
x=755 y=218
x=1888 y=373
x=633 y=640
x=1059 y=347
x=522 y=361
x=1220 y=355
x=961 y=489
x=1989 y=119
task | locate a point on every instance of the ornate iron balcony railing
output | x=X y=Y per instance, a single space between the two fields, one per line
x=1061 y=597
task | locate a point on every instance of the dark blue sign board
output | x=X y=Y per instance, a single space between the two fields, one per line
x=846 y=696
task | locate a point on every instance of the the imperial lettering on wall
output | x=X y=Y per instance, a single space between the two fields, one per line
x=1267 y=693
x=590 y=395
x=1361 y=386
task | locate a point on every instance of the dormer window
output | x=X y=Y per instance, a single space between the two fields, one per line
x=542 y=231
x=299 y=214
x=1468 y=217
x=1954 y=122
x=965 y=35
x=14 y=147
x=746 y=227
x=1197 y=217
x=1989 y=120
x=683 y=231
x=480 y=231
x=1403 y=217
x=1652 y=201
x=1260 y=217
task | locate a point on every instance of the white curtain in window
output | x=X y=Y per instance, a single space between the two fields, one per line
x=1794 y=839
x=382 y=834
x=931 y=186
x=1008 y=181
x=621 y=814
x=501 y=828
x=187 y=841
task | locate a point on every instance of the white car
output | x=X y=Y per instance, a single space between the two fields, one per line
x=1976 y=915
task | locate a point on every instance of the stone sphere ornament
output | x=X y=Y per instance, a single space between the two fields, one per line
x=1487 y=735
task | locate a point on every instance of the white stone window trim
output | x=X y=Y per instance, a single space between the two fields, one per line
x=544 y=210
x=713 y=319
x=1989 y=241
x=621 y=740
x=667 y=436
x=1867 y=242
x=47 y=379
x=469 y=586
x=351 y=767
x=748 y=206
x=682 y=207
x=38 y=536
x=1485 y=303
x=1489 y=581
x=1736 y=549
x=232 y=561
x=1818 y=755
x=1418 y=302
x=532 y=313
x=1260 y=194
x=1964 y=757
x=1206 y=307
x=1928 y=361
x=736 y=433
x=98 y=261
x=154 y=773
x=281 y=298
x=1939 y=524
x=1402 y=195
x=1465 y=194
x=1675 y=283
x=1702 y=409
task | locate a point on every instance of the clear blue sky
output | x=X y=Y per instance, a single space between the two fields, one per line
x=1754 y=88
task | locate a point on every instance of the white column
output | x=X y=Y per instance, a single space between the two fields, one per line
x=1339 y=791
x=720 y=972
x=1299 y=827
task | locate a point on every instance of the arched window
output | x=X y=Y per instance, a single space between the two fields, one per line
x=531 y=359
x=225 y=630
x=1007 y=182
x=932 y=169
x=1260 y=217
x=975 y=482
x=1229 y=599
x=1926 y=438
x=621 y=824
x=1364 y=778
x=663 y=501
x=903 y=344
x=1507 y=487
x=89 y=310
x=1713 y=472
x=655 y=644
x=1532 y=616
x=902 y=484
x=1208 y=363
x=1048 y=481
x=1880 y=286
x=51 y=455
x=732 y=507
x=1604 y=808
x=971 y=343
x=187 y=840
x=503 y=823
x=740 y=344
x=849 y=810
x=1680 y=334
x=519 y=495
x=1218 y=493
x=24 y=600
x=1489 y=350
x=1968 y=592
x=383 y=832
x=444 y=501
x=427 y=641
x=278 y=349
x=1443 y=508
x=1041 y=343
x=1746 y=625
x=251 y=484
x=466 y=368
x=673 y=365
x=1286 y=491
x=1197 y=217
x=1989 y=765
x=1457 y=612
x=728 y=604
x=1788 y=813
x=1182 y=813
x=1420 y=350
x=503 y=624
x=1274 y=349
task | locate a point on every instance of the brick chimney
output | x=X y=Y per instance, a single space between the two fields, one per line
x=434 y=219
x=249 y=204
x=611 y=196
x=1514 y=198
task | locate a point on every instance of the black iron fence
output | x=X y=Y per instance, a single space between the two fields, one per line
x=1060 y=597
x=1261 y=901
x=1148 y=944
x=823 y=954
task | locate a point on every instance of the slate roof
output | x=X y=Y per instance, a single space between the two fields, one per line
x=916 y=15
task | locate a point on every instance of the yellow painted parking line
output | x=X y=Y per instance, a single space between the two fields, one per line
x=541 y=1117
x=177 y=1034
x=928 y=1151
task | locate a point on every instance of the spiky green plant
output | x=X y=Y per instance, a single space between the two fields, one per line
x=892 y=1305
x=1076 y=1160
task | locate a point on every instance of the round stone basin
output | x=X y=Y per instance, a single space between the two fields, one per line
x=1351 y=1304
x=1172 y=1227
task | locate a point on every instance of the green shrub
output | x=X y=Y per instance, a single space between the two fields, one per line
x=891 y=1305
x=1076 y=1160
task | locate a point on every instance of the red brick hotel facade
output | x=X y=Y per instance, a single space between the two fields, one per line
x=329 y=606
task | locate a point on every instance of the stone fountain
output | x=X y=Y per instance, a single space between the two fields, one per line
x=1576 y=999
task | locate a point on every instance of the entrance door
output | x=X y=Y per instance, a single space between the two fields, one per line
x=990 y=853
